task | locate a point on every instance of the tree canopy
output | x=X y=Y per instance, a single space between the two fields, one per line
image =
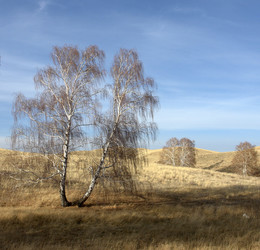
x=67 y=114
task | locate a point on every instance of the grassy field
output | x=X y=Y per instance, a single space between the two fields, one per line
x=177 y=208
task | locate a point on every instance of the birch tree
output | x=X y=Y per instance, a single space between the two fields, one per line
x=169 y=152
x=179 y=152
x=186 y=152
x=126 y=126
x=52 y=124
x=66 y=115
x=245 y=157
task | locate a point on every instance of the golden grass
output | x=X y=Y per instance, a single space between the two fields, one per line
x=178 y=208
x=168 y=177
x=150 y=226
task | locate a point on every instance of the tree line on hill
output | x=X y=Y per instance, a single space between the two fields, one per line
x=182 y=153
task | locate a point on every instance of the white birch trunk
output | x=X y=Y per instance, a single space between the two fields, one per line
x=173 y=157
x=63 y=197
x=244 y=169
x=94 y=178
x=81 y=201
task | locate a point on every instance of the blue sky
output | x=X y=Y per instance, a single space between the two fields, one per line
x=204 y=56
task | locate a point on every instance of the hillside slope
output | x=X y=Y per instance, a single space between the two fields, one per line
x=162 y=176
x=206 y=159
x=209 y=171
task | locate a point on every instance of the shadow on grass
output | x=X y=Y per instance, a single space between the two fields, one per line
x=195 y=218
x=243 y=196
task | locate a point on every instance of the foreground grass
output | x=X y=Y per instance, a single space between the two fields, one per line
x=179 y=208
x=143 y=225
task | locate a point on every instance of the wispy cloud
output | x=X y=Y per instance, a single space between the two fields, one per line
x=14 y=62
x=185 y=10
x=42 y=5
x=13 y=66
x=204 y=57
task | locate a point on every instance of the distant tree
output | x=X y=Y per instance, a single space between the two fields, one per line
x=245 y=157
x=66 y=115
x=186 y=153
x=179 y=152
x=169 y=152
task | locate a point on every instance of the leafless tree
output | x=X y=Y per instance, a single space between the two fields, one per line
x=186 y=152
x=58 y=119
x=126 y=124
x=245 y=157
x=179 y=152
x=169 y=153
x=52 y=124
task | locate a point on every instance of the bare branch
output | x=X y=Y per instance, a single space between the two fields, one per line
x=245 y=158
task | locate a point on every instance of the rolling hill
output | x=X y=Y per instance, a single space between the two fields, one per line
x=209 y=172
x=212 y=171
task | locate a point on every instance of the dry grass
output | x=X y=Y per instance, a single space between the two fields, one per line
x=203 y=176
x=150 y=226
x=181 y=208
